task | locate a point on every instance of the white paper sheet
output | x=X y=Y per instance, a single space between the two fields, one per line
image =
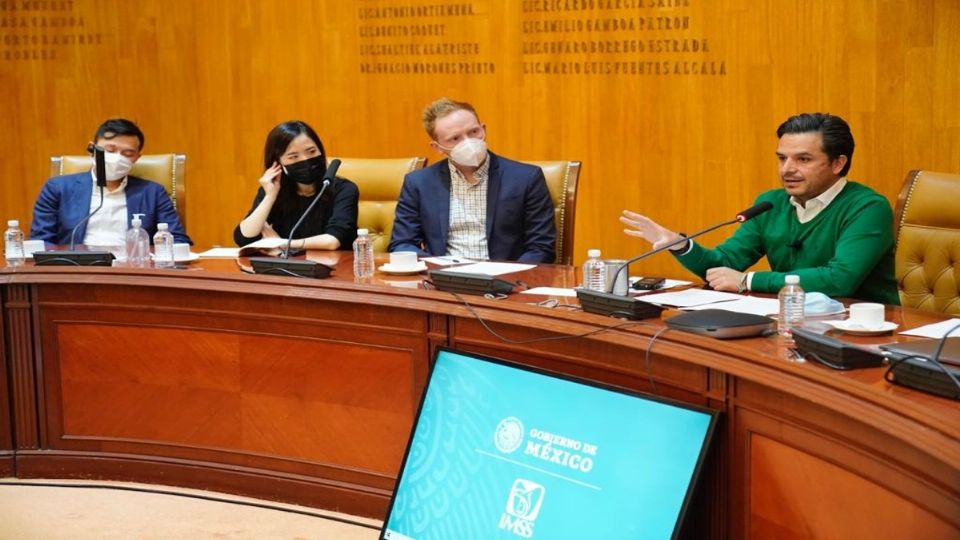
x=749 y=304
x=935 y=330
x=267 y=243
x=493 y=268
x=552 y=291
x=409 y=284
x=220 y=253
x=446 y=261
x=690 y=298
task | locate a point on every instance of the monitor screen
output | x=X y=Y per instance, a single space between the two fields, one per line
x=501 y=451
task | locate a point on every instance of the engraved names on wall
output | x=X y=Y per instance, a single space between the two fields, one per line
x=42 y=30
x=538 y=38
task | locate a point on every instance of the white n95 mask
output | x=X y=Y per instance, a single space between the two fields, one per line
x=116 y=164
x=469 y=152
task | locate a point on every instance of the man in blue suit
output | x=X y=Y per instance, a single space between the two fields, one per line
x=475 y=204
x=66 y=200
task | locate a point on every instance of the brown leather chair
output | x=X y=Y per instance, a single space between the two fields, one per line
x=379 y=180
x=562 y=177
x=928 y=241
x=168 y=170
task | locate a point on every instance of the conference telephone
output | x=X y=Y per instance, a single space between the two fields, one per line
x=834 y=353
x=463 y=283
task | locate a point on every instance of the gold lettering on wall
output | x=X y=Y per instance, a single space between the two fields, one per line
x=402 y=39
x=556 y=37
x=37 y=30
x=615 y=37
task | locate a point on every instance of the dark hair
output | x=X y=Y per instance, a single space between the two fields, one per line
x=277 y=142
x=118 y=126
x=834 y=132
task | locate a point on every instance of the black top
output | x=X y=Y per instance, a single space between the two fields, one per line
x=335 y=215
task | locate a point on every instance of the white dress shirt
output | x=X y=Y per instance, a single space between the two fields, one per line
x=816 y=205
x=108 y=227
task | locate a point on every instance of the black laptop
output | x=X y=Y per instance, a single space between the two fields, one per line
x=926 y=349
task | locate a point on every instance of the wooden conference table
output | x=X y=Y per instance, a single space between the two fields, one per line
x=304 y=391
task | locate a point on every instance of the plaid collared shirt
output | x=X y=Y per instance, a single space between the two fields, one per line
x=467 y=237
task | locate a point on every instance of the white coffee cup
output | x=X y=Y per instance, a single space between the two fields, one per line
x=403 y=259
x=866 y=315
x=181 y=252
x=32 y=246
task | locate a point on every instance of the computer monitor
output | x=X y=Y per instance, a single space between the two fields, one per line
x=502 y=451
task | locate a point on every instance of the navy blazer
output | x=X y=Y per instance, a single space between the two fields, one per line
x=520 y=222
x=65 y=200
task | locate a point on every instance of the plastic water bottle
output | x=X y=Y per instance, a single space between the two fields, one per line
x=791 y=306
x=138 y=244
x=594 y=272
x=13 y=244
x=163 y=247
x=363 y=255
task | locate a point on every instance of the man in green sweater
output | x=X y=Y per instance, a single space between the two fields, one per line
x=835 y=234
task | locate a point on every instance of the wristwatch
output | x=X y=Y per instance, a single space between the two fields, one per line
x=742 y=285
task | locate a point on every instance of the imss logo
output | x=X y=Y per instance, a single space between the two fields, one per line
x=523 y=507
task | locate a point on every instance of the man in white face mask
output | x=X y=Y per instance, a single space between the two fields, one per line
x=474 y=204
x=66 y=200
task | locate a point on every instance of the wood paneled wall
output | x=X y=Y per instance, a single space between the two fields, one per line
x=655 y=134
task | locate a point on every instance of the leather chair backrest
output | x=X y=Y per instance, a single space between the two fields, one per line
x=379 y=181
x=562 y=178
x=928 y=241
x=168 y=170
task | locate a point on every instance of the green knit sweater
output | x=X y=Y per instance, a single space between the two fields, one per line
x=846 y=251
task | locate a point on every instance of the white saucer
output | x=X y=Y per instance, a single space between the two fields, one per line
x=404 y=270
x=857 y=330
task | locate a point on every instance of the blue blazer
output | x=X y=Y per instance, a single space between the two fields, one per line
x=65 y=200
x=520 y=222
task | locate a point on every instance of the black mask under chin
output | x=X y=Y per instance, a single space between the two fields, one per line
x=308 y=171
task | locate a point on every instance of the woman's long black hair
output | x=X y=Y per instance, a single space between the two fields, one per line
x=277 y=142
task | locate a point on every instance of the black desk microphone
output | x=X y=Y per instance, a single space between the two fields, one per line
x=293 y=267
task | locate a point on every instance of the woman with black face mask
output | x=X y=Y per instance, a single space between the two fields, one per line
x=295 y=163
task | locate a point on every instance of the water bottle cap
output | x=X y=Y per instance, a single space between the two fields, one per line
x=162 y=226
x=362 y=232
x=13 y=223
x=792 y=279
x=593 y=253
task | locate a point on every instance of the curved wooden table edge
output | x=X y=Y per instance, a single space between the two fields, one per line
x=936 y=431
